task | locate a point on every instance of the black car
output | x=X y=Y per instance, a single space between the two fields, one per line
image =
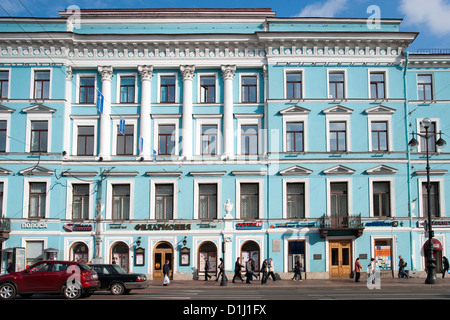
x=118 y=281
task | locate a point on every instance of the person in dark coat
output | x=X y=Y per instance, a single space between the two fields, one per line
x=264 y=272
x=445 y=266
x=207 y=269
x=221 y=271
x=166 y=270
x=237 y=270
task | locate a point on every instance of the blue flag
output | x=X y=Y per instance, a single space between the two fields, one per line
x=122 y=125
x=154 y=155
x=100 y=102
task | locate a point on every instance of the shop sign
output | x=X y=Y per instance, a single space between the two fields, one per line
x=34 y=225
x=435 y=224
x=69 y=227
x=293 y=225
x=382 y=224
x=162 y=227
x=249 y=225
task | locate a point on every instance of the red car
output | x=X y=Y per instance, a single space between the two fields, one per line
x=69 y=278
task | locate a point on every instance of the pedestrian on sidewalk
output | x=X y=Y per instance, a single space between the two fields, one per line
x=358 y=269
x=166 y=270
x=371 y=271
x=221 y=271
x=248 y=271
x=297 y=270
x=401 y=268
x=252 y=270
x=271 y=268
x=445 y=266
x=207 y=269
x=237 y=270
x=264 y=272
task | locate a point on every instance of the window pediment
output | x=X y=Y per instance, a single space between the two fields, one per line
x=296 y=171
x=339 y=170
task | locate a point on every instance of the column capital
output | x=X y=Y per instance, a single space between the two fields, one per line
x=187 y=72
x=146 y=72
x=106 y=72
x=228 y=72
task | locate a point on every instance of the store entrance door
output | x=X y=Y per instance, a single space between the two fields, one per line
x=163 y=251
x=340 y=259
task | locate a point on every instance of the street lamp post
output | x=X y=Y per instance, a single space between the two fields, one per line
x=431 y=261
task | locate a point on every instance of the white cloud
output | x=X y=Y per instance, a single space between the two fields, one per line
x=434 y=14
x=323 y=9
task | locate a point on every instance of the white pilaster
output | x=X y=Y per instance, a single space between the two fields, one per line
x=187 y=73
x=228 y=133
x=146 y=73
x=67 y=110
x=105 y=117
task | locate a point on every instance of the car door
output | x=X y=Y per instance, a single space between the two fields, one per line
x=34 y=278
x=103 y=276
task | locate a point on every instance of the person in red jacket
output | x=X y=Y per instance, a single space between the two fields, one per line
x=358 y=269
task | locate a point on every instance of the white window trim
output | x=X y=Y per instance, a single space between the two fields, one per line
x=153 y=183
x=199 y=91
x=77 y=88
x=197 y=183
x=349 y=194
x=129 y=120
x=339 y=118
x=437 y=129
x=286 y=241
x=386 y=82
x=162 y=120
x=433 y=96
x=260 y=183
x=305 y=181
x=440 y=181
x=158 y=92
x=214 y=119
x=249 y=119
x=8 y=94
x=7 y=117
x=38 y=117
x=391 y=181
x=69 y=197
x=255 y=74
x=79 y=122
x=379 y=118
x=33 y=71
x=302 y=74
x=26 y=196
x=296 y=118
x=119 y=78
x=109 y=194
x=345 y=83
x=5 y=196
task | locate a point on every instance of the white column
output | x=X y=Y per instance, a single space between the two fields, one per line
x=105 y=116
x=187 y=73
x=146 y=73
x=228 y=133
x=67 y=111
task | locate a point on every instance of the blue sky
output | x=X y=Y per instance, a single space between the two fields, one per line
x=429 y=17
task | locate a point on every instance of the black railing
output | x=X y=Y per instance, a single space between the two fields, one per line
x=337 y=223
x=5 y=225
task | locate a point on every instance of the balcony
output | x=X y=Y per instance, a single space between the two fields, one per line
x=337 y=225
x=5 y=228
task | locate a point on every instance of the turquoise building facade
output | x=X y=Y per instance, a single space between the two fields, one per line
x=144 y=135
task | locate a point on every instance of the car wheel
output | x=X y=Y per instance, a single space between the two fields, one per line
x=7 y=291
x=72 y=291
x=117 y=288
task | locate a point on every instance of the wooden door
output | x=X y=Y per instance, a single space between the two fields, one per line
x=340 y=258
x=162 y=253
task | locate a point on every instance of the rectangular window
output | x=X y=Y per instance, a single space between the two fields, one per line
x=336 y=85
x=39 y=136
x=127 y=89
x=295 y=200
x=207 y=89
x=339 y=200
x=37 y=198
x=294 y=85
x=424 y=87
x=208 y=201
x=381 y=199
x=87 y=89
x=121 y=202
x=166 y=139
x=338 y=136
x=377 y=85
x=85 y=142
x=41 y=84
x=80 y=206
x=249 y=200
x=379 y=136
x=431 y=139
x=167 y=88
x=209 y=139
x=4 y=84
x=164 y=201
x=125 y=141
x=3 y=135
x=248 y=88
x=249 y=139
x=294 y=136
x=434 y=199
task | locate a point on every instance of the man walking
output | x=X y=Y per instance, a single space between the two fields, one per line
x=206 y=269
x=401 y=268
x=237 y=270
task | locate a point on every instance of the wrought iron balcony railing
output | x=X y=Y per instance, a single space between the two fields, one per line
x=338 y=223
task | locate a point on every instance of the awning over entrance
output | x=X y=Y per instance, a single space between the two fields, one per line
x=437 y=245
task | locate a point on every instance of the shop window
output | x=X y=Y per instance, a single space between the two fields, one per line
x=250 y=249
x=296 y=249
x=207 y=250
x=80 y=252
x=120 y=255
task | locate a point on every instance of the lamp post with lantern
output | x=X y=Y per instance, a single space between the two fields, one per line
x=431 y=261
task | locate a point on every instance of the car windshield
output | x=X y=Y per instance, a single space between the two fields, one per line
x=116 y=269
x=84 y=266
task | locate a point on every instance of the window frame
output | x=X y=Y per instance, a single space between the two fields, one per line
x=78 y=80
x=129 y=120
x=69 y=198
x=345 y=117
x=26 y=197
x=421 y=148
x=200 y=96
x=423 y=85
x=82 y=121
x=349 y=194
x=109 y=197
x=166 y=120
x=391 y=181
x=8 y=81
x=344 y=86
x=380 y=118
x=305 y=183
x=249 y=119
x=197 y=183
x=286 y=89
x=119 y=88
x=159 y=96
x=441 y=185
x=260 y=183
x=153 y=184
x=385 y=83
x=241 y=87
x=41 y=116
x=33 y=83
